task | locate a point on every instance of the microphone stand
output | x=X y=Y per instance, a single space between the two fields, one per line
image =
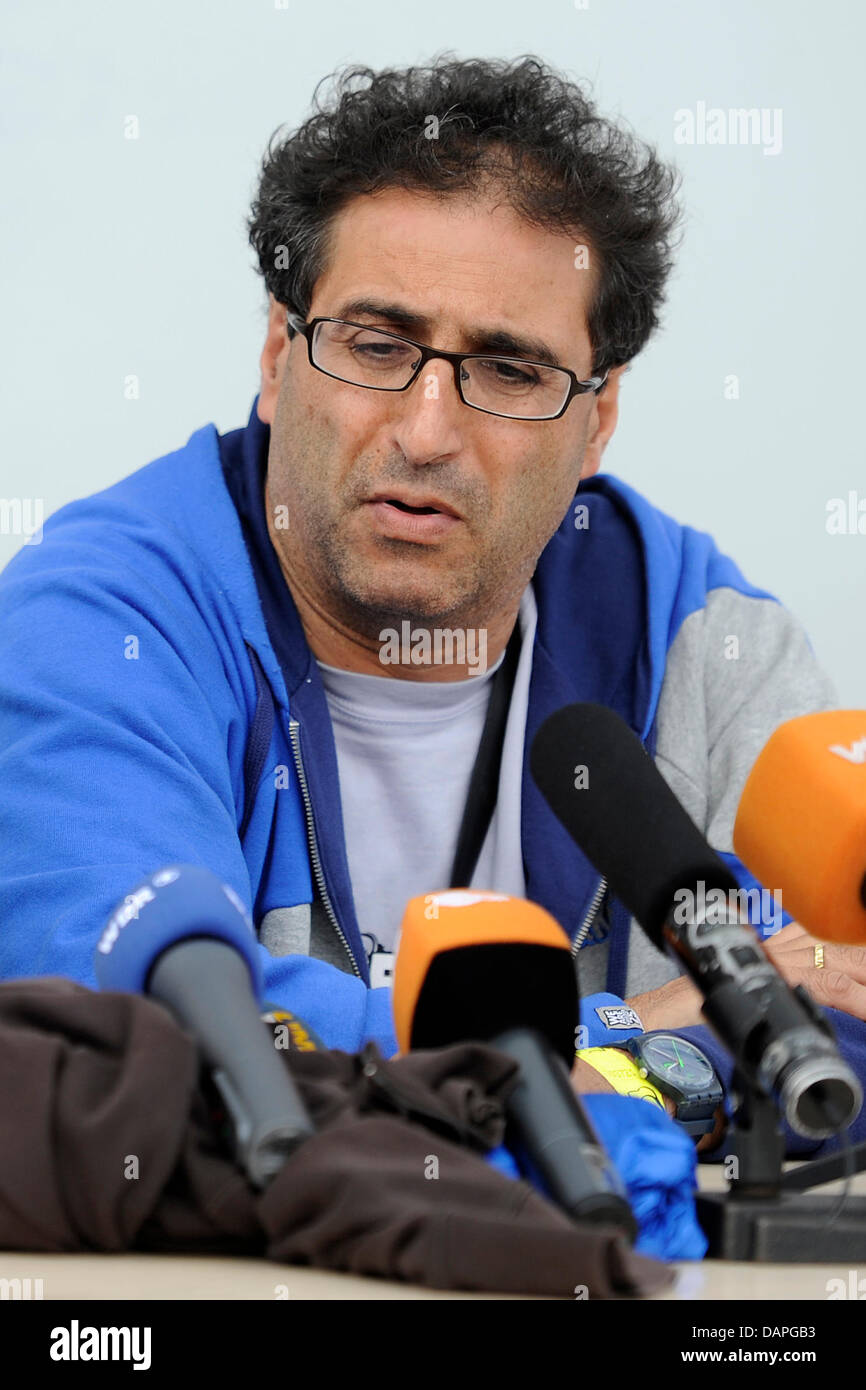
x=762 y=1215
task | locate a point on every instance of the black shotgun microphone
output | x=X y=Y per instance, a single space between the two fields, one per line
x=603 y=786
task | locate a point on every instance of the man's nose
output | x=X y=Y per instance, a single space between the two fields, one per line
x=429 y=418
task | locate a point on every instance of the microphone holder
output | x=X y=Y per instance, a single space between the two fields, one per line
x=763 y=1215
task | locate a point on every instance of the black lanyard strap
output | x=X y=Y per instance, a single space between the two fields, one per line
x=484 y=782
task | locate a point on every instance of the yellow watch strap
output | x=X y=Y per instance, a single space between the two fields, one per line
x=623 y=1073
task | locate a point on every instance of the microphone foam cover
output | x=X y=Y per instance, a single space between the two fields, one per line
x=175 y=904
x=599 y=780
x=471 y=964
x=801 y=821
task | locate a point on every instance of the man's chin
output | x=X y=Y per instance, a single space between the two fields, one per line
x=386 y=607
x=387 y=580
x=384 y=600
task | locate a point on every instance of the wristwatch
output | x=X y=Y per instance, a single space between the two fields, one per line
x=680 y=1070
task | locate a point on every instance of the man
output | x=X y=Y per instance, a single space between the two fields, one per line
x=230 y=657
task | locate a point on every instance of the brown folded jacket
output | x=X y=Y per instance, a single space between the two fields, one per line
x=110 y=1141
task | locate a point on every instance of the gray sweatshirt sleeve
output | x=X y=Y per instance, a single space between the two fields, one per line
x=737 y=669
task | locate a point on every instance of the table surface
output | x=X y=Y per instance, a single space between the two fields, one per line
x=137 y=1276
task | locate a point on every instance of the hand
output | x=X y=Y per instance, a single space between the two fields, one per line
x=839 y=984
x=674 y=1005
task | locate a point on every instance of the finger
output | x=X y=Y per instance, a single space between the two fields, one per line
x=794 y=931
x=789 y=938
x=850 y=959
x=835 y=990
x=845 y=960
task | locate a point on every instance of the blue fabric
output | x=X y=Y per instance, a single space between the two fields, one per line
x=656 y=1161
x=617 y=963
x=594 y=1030
x=341 y=1010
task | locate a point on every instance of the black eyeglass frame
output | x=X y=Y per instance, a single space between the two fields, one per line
x=576 y=387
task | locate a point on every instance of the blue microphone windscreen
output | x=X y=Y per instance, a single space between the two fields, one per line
x=179 y=902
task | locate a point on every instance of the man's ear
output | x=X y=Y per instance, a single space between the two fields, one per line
x=273 y=360
x=603 y=421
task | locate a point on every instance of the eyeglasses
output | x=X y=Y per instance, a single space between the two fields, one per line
x=379 y=361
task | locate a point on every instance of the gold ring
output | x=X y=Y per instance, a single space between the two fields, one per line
x=819 y=957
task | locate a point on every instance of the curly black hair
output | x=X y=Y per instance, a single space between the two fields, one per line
x=518 y=123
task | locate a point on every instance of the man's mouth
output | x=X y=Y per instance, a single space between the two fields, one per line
x=423 y=520
x=404 y=507
x=421 y=506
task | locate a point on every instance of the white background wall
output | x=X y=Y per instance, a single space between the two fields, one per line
x=122 y=256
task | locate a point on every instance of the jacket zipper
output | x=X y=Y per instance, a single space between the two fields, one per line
x=590 y=917
x=294 y=735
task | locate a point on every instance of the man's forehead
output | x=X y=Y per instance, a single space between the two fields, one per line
x=469 y=264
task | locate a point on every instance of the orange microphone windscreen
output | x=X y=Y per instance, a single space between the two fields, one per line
x=801 y=822
x=471 y=964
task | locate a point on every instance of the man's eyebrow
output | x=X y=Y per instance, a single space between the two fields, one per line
x=412 y=324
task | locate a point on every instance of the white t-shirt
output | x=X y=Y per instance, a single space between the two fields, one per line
x=405 y=753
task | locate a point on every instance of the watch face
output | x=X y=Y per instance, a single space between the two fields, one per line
x=678 y=1060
